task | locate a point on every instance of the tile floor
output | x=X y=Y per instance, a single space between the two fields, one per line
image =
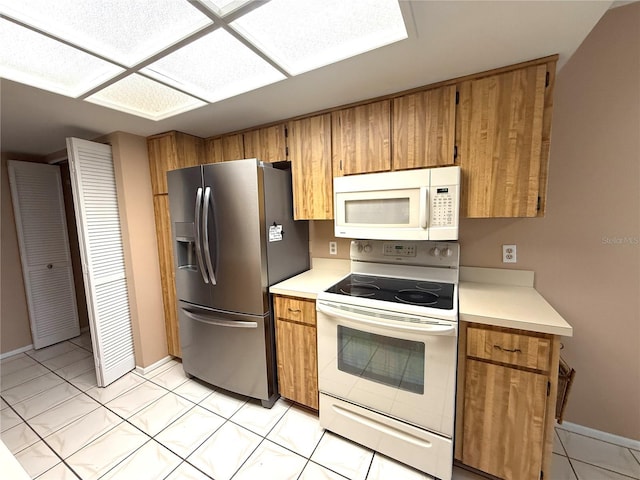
x=60 y=425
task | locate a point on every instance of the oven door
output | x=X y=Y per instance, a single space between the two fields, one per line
x=389 y=362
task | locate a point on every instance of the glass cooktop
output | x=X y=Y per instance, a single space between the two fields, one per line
x=397 y=290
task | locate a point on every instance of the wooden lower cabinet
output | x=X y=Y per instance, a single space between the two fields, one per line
x=507 y=384
x=296 y=350
x=504 y=411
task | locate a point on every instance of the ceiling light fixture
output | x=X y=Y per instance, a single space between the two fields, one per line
x=31 y=58
x=214 y=67
x=144 y=97
x=196 y=51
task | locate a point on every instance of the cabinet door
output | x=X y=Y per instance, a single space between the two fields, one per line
x=167 y=272
x=504 y=415
x=310 y=154
x=266 y=144
x=171 y=151
x=297 y=362
x=223 y=149
x=360 y=139
x=424 y=129
x=499 y=130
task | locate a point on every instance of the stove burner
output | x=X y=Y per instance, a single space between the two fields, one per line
x=360 y=289
x=429 y=286
x=416 y=297
x=362 y=279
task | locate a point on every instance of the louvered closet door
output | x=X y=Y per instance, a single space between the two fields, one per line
x=38 y=206
x=101 y=249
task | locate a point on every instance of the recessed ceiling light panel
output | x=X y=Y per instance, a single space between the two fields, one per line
x=125 y=31
x=302 y=35
x=225 y=7
x=143 y=97
x=214 y=67
x=34 y=59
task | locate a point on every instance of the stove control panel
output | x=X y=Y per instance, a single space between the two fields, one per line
x=407 y=252
x=398 y=250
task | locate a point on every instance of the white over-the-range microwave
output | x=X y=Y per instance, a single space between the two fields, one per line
x=419 y=204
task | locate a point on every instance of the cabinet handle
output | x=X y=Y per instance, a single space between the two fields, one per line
x=294 y=310
x=515 y=350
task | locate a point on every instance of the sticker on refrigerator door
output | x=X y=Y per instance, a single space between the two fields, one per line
x=275 y=233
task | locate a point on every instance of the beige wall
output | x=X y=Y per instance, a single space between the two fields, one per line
x=135 y=200
x=586 y=251
x=15 y=331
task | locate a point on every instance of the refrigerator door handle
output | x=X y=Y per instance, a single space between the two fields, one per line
x=207 y=247
x=219 y=322
x=203 y=272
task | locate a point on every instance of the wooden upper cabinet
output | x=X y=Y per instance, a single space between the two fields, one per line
x=266 y=144
x=360 y=139
x=424 y=129
x=310 y=154
x=225 y=148
x=499 y=130
x=170 y=151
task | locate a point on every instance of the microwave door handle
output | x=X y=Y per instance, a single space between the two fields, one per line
x=424 y=206
x=445 y=330
x=205 y=227
x=203 y=272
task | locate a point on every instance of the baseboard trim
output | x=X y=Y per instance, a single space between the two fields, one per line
x=600 y=435
x=16 y=352
x=153 y=366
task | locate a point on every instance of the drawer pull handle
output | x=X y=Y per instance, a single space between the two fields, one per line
x=514 y=350
x=294 y=310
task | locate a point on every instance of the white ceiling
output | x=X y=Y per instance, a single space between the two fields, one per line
x=447 y=39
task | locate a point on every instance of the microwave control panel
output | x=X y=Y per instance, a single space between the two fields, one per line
x=443 y=204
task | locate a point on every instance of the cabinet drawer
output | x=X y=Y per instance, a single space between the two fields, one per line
x=295 y=309
x=508 y=347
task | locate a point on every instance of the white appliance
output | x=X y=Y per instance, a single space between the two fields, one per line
x=387 y=351
x=405 y=205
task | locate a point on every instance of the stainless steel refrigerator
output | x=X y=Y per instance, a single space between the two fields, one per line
x=234 y=236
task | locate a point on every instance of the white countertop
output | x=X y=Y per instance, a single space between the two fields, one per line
x=500 y=297
x=510 y=306
x=323 y=274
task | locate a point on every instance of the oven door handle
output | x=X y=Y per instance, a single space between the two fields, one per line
x=430 y=329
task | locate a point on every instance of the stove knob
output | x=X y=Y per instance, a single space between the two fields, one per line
x=446 y=252
x=359 y=247
x=435 y=252
x=367 y=248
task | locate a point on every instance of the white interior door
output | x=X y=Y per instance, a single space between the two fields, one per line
x=99 y=235
x=38 y=205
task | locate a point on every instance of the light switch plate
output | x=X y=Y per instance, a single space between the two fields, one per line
x=509 y=254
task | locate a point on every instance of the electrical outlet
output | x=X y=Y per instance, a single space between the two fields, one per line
x=333 y=248
x=509 y=254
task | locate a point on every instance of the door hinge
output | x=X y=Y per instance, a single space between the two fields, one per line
x=340 y=165
x=455 y=153
x=546 y=80
x=286 y=152
x=457 y=97
x=539 y=204
x=541 y=475
x=286 y=132
x=548 y=388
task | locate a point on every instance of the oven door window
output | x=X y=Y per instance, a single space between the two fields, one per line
x=391 y=361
